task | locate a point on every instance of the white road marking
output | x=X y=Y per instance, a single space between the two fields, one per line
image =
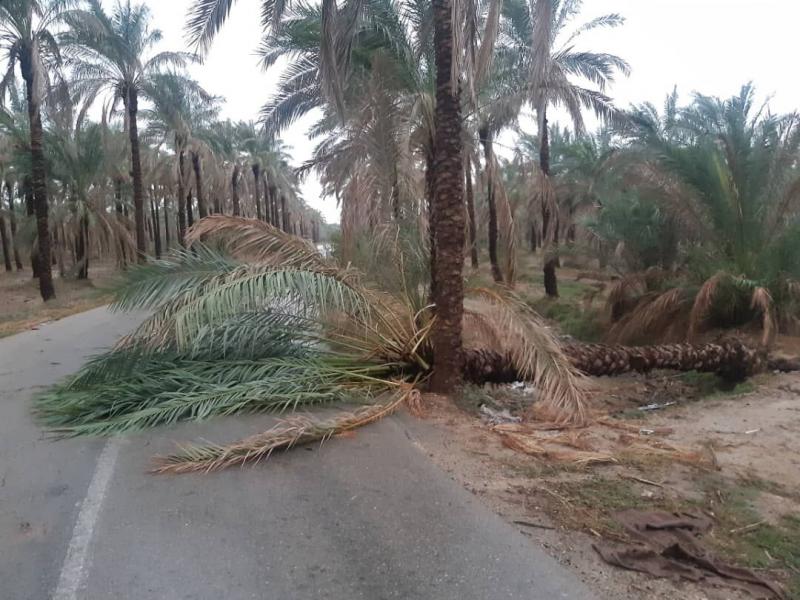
x=73 y=571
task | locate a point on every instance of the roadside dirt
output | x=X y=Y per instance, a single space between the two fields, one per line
x=738 y=460
x=21 y=306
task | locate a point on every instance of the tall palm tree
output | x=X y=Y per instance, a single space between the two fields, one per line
x=26 y=36
x=180 y=107
x=447 y=211
x=536 y=41
x=113 y=54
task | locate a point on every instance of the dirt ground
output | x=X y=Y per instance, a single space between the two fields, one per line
x=733 y=455
x=21 y=306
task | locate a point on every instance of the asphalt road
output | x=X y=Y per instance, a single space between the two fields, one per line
x=365 y=517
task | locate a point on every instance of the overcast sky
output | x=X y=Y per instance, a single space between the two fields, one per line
x=711 y=46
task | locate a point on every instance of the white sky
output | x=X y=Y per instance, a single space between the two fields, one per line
x=711 y=46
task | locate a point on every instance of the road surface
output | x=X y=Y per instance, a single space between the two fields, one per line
x=369 y=517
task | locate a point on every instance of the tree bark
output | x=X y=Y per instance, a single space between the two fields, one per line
x=235 y=190
x=156 y=223
x=123 y=254
x=6 y=246
x=285 y=214
x=731 y=360
x=30 y=211
x=447 y=211
x=551 y=261
x=257 y=192
x=12 y=218
x=189 y=209
x=83 y=248
x=473 y=234
x=132 y=105
x=181 y=199
x=167 y=236
x=486 y=141
x=29 y=61
x=202 y=210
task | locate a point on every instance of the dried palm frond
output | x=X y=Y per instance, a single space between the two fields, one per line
x=653 y=316
x=286 y=434
x=703 y=302
x=256 y=240
x=532 y=351
x=761 y=301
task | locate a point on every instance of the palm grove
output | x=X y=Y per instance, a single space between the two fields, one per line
x=694 y=206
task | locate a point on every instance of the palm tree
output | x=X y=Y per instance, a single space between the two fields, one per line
x=726 y=170
x=180 y=107
x=27 y=38
x=113 y=54
x=447 y=208
x=536 y=43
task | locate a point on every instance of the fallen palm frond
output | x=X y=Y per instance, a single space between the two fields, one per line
x=530 y=350
x=286 y=434
x=761 y=301
x=287 y=330
x=703 y=302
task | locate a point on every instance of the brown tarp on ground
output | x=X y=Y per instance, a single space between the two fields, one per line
x=668 y=545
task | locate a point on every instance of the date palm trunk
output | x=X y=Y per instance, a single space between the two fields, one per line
x=551 y=257
x=731 y=360
x=486 y=140
x=12 y=218
x=131 y=98
x=285 y=216
x=181 y=198
x=237 y=210
x=257 y=190
x=29 y=60
x=167 y=236
x=473 y=233
x=447 y=218
x=202 y=210
x=6 y=246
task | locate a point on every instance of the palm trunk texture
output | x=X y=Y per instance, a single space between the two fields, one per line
x=132 y=104
x=447 y=219
x=731 y=360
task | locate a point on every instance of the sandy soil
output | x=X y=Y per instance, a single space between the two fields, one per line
x=751 y=437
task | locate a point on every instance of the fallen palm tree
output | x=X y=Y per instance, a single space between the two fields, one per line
x=730 y=359
x=264 y=323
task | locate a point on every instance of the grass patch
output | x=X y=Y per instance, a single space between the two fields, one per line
x=571 y=318
x=710 y=386
x=766 y=545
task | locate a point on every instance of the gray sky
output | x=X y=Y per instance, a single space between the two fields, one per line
x=712 y=46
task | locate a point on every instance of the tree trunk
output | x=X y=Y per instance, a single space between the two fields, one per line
x=486 y=141
x=181 y=200
x=273 y=200
x=82 y=250
x=237 y=211
x=198 y=184
x=551 y=256
x=123 y=254
x=731 y=360
x=257 y=192
x=156 y=224
x=132 y=105
x=189 y=209
x=6 y=246
x=267 y=207
x=448 y=211
x=12 y=217
x=473 y=234
x=167 y=236
x=30 y=72
x=285 y=214
x=30 y=211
